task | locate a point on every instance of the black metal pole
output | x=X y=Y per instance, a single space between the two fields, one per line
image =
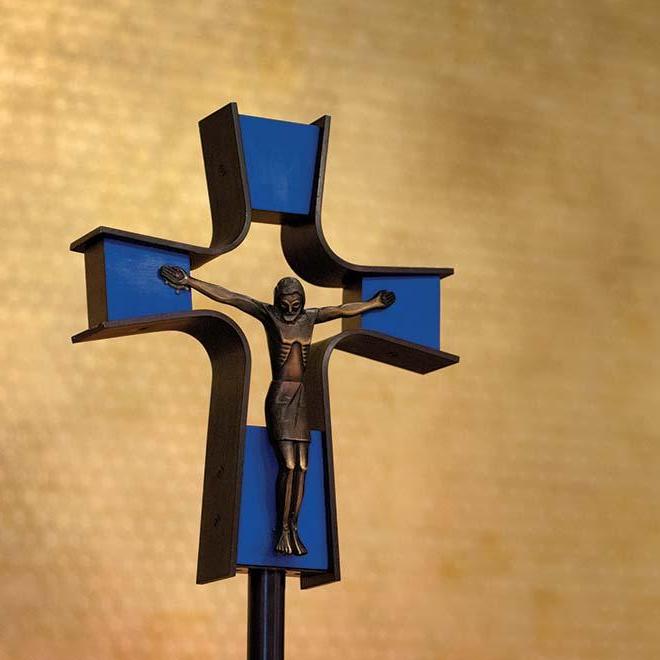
x=265 y=633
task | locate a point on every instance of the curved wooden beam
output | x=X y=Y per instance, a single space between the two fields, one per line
x=307 y=251
x=375 y=346
x=226 y=179
x=229 y=354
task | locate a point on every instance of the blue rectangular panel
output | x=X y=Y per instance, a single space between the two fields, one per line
x=256 y=538
x=133 y=286
x=415 y=316
x=280 y=158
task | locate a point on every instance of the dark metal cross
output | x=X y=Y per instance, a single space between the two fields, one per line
x=253 y=513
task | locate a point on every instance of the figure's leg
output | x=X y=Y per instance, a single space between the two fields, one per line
x=302 y=460
x=286 y=456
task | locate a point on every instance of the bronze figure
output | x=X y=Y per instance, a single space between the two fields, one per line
x=289 y=327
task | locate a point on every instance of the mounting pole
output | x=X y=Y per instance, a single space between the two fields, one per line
x=265 y=631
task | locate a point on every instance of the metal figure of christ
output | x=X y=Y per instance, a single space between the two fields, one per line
x=289 y=327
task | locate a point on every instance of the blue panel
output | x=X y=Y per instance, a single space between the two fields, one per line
x=256 y=537
x=133 y=286
x=415 y=316
x=280 y=159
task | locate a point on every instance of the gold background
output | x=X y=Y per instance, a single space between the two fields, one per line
x=503 y=509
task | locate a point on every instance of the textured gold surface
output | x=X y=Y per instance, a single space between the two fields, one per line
x=504 y=509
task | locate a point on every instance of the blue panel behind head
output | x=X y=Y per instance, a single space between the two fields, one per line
x=415 y=316
x=256 y=538
x=280 y=158
x=133 y=286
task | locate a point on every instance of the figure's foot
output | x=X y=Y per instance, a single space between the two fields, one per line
x=284 y=544
x=298 y=546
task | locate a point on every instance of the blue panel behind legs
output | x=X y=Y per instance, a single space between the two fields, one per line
x=132 y=283
x=415 y=316
x=280 y=159
x=256 y=538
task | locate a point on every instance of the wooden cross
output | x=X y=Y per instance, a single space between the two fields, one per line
x=270 y=171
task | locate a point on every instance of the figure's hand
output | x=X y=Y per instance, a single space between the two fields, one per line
x=175 y=277
x=384 y=298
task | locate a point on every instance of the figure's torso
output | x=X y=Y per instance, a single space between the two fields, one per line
x=288 y=343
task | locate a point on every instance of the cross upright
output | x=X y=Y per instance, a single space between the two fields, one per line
x=268 y=505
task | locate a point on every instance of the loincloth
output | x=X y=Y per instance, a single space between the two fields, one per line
x=286 y=411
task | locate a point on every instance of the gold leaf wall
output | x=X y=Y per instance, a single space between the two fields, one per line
x=504 y=509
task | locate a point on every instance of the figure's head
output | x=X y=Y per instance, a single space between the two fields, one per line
x=289 y=298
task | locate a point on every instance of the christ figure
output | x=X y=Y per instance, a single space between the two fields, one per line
x=289 y=328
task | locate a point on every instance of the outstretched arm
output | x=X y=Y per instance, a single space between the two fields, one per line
x=178 y=278
x=381 y=300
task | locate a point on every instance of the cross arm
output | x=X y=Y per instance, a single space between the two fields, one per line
x=239 y=300
x=381 y=300
x=218 y=293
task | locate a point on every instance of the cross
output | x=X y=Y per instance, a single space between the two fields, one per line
x=254 y=517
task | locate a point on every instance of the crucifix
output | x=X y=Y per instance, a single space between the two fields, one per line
x=268 y=503
x=289 y=328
